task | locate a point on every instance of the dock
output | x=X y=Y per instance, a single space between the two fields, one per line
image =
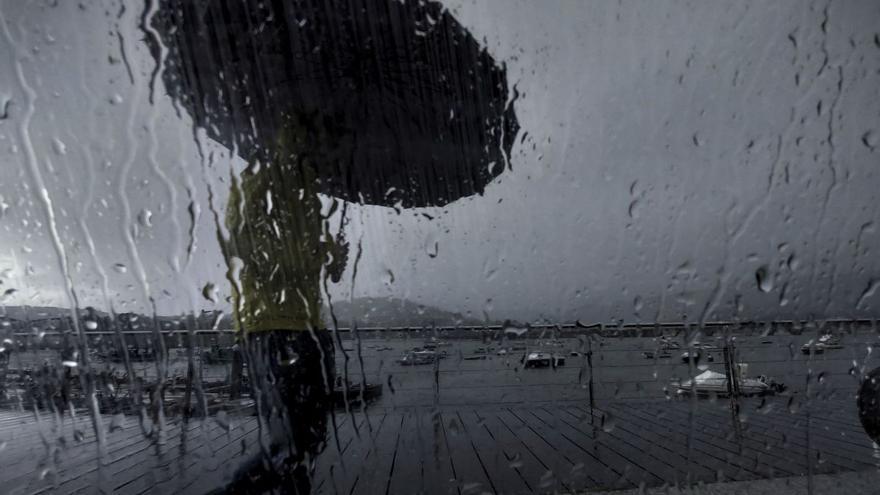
x=489 y=426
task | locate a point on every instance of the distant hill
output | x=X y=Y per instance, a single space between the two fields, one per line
x=35 y=312
x=366 y=311
x=391 y=312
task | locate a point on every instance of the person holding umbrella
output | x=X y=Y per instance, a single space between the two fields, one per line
x=375 y=102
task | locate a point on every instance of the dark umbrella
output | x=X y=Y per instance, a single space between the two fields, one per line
x=371 y=101
x=402 y=104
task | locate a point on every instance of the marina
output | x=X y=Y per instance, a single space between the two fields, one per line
x=494 y=425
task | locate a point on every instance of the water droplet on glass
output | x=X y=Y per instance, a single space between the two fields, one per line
x=145 y=218
x=59 y=147
x=548 y=479
x=7 y=294
x=454 y=426
x=223 y=420
x=432 y=247
x=91 y=324
x=516 y=461
x=765 y=281
x=870 y=140
x=119 y=267
x=514 y=330
x=117 y=422
x=209 y=292
x=5 y=102
x=766 y=407
x=608 y=422
x=638 y=304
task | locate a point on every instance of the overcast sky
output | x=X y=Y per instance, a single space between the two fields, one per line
x=674 y=150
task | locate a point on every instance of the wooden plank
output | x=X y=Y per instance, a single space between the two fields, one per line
x=362 y=449
x=746 y=454
x=519 y=457
x=760 y=439
x=750 y=454
x=194 y=473
x=384 y=457
x=82 y=465
x=438 y=473
x=470 y=471
x=586 y=471
x=632 y=447
x=333 y=465
x=714 y=466
x=491 y=453
x=558 y=464
x=422 y=464
x=676 y=435
x=610 y=467
x=786 y=430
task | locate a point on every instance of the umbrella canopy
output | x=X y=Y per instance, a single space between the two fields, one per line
x=400 y=103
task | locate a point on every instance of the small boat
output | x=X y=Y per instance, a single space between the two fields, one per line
x=668 y=344
x=659 y=354
x=419 y=357
x=433 y=344
x=824 y=343
x=542 y=360
x=697 y=355
x=475 y=357
x=710 y=383
x=663 y=350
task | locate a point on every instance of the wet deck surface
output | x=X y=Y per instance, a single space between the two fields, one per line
x=497 y=428
x=534 y=448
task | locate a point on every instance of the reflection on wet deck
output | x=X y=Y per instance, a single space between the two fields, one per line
x=518 y=449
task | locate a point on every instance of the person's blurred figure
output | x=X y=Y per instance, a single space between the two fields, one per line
x=280 y=244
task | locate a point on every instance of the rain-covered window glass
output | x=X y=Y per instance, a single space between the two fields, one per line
x=439 y=246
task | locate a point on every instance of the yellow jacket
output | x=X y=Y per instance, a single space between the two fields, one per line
x=277 y=231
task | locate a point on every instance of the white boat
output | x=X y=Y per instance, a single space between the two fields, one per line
x=713 y=383
x=660 y=354
x=542 y=360
x=418 y=357
x=822 y=344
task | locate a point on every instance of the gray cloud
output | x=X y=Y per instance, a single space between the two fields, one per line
x=673 y=149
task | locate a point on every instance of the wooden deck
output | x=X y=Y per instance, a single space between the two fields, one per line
x=535 y=448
